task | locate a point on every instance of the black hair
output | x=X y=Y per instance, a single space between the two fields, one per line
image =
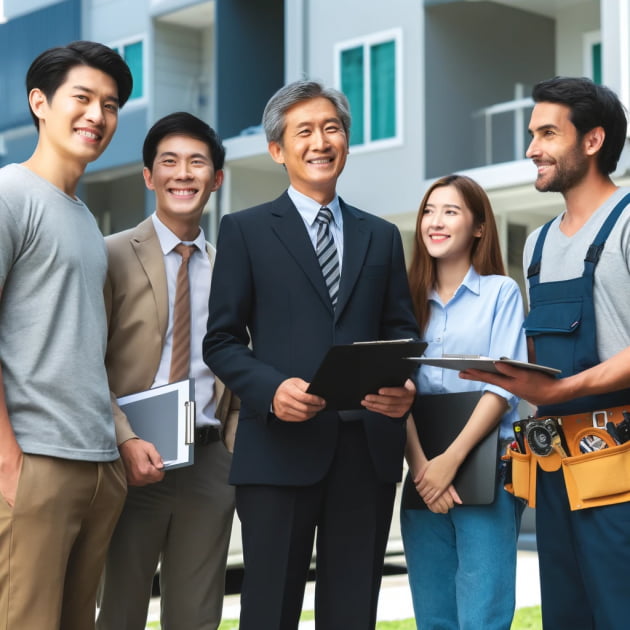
x=185 y=124
x=591 y=106
x=50 y=69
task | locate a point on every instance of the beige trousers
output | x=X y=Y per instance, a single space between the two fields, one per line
x=53 y=542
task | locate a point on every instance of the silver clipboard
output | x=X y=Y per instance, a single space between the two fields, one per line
x=165 y=416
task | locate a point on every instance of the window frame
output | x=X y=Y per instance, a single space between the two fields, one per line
x=119 y=45
x=367 y=42
x=589 y=40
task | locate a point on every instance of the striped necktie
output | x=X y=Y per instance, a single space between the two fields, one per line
x=180 y=356
x=327 y=253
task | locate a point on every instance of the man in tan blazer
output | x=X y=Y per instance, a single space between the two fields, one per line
x=180 y=518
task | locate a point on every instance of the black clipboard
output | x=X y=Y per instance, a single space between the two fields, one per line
x=439 y=419
x=349 y=372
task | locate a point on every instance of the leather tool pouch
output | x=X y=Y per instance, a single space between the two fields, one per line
x=523 y=475
x=598 y=478
x=592 y=479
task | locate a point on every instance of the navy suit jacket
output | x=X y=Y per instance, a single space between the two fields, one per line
x=271 y=318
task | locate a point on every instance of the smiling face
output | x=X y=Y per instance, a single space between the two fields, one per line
x=556 y=149
x=79 y=121
x=314 y=148
x=183 y=179
x=447 y=226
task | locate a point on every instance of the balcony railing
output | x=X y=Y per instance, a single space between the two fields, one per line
x=496 y=129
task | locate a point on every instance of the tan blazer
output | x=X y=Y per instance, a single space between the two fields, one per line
x=136 y=300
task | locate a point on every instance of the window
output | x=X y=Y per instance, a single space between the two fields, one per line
x=132 y=52
x=593 y=55
x=368 y=73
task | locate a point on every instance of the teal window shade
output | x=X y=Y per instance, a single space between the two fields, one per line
x=383 y=90
x=596 y=58
x=132 y=54
x=352 y=85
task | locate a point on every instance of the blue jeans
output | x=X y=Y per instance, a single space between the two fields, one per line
x=462 y=565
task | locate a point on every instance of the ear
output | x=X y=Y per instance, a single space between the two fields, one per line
x=148 y=178
x=276 y=152
x=218 y=180
x=37 y=101
x=594 y=140
x=478 y=231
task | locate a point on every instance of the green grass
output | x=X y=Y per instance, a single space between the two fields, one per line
x=524 y=619
x=527 y=619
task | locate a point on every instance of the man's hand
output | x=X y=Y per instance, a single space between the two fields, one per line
x=143 y=463
x=394 y=402
x=291 y=403
x=10 y=467
x=533 y=386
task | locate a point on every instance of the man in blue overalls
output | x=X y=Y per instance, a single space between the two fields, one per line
x=578 y=269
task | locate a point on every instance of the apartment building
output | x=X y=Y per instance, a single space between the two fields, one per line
x=436 y=86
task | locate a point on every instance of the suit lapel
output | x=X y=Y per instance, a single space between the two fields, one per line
x=356 y=238
x=289 y=227
x=146 y=245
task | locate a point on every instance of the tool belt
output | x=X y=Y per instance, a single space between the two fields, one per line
x=592 y=449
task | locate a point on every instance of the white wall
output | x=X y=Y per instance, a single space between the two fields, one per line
x=570 y=24
x=372 y=177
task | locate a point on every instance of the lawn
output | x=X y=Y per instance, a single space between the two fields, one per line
x=524 y=619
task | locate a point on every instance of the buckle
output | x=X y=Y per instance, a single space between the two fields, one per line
x=207 y=434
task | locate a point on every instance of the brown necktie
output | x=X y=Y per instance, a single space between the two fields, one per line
x=180 y=358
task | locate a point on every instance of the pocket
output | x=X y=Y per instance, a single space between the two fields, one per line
x=17 y=488
x=523 y=476
x=598 y=478
x=560 y=318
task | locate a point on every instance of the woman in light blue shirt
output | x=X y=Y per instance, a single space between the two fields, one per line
x=462 y=559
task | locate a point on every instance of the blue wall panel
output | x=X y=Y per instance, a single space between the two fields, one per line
x=21 y=40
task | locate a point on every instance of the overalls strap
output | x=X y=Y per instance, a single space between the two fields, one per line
x=533 y=271
x=594 y=251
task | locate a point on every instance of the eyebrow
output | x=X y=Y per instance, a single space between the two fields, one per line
x=191 y=155
x=308 y=123
x=91 y=91
x=543 y=128
x=446 y=205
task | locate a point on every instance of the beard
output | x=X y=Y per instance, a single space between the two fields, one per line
x=570 y=170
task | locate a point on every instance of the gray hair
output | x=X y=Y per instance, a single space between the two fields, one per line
x=273 y=119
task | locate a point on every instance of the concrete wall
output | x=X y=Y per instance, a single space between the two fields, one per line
x=570 y=24
x=380 y=180
x=475 y=53
x=177 y=68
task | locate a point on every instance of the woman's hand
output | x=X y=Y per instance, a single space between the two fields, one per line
x=445 y=502
x=436 y=477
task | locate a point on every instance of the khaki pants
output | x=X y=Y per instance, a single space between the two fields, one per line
x=183 y=521
x=53 y=542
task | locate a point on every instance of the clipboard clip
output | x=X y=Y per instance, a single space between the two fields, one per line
x=190 y=421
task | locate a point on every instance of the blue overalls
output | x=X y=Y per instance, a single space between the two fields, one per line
x=584 y=555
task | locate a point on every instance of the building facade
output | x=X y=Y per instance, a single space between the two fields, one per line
x=435 y=86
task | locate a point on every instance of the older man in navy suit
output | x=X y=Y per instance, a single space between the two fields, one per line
x=292 y=278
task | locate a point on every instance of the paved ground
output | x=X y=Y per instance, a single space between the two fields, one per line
x=395 y=598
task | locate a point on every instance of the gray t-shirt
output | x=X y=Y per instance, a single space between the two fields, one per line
x=563 y=259
x=53 y=330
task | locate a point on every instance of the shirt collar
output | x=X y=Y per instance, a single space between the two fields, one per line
x=168 y=240
x=308 y=208
x=471 y=281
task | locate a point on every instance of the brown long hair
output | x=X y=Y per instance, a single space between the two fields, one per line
x=485 y=254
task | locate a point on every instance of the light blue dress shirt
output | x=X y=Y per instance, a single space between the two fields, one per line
x=484 y=317
x=308 y=209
